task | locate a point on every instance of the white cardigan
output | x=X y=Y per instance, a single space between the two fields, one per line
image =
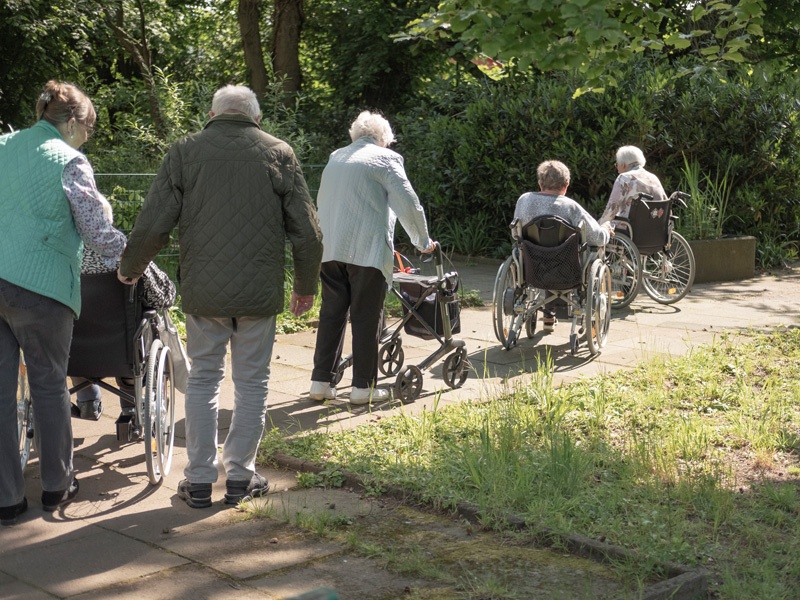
x=363 y=192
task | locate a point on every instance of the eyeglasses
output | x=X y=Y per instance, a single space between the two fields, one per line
x=88 y=128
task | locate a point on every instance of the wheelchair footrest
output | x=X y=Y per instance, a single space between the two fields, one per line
x=126 y=428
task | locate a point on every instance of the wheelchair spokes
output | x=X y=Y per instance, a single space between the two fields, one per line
x=159 y=412
x=625 y=267
x=668 y=275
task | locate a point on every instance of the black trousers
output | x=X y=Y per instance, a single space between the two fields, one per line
x=361 y=292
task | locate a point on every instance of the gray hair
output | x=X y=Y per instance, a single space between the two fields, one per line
x=236 y=99
x=553 y=175
x=373 y=125
x=630 y=155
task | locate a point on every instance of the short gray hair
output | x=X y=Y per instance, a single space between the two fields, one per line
x=553 y=175
x=236 y=99
x=373 y=125
x=630 y=155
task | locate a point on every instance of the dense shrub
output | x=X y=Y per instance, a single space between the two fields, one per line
x=472 y=149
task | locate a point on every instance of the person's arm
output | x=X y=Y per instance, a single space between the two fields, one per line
x=160 y=214
x=302 y=229
x=403 y=200
x=88 y=210
x=616 y=201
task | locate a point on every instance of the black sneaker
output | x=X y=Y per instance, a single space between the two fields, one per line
x=236 y=491
x=196 y=495
x=52 y=500
x=9 y=514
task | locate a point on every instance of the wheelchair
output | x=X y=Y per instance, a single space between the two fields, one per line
x=651 y=255
x=550 y=261
x=115 y=337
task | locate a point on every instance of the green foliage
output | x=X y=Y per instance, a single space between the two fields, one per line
x=592 y=35
x=707 y=210
x=473 y=149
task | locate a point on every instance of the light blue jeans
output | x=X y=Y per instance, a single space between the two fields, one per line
x=42 y=328
x=251 y=340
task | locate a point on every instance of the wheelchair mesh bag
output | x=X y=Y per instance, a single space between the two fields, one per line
x=428 y=310
x=650 y=224
x=556 y=268
x=103 y=336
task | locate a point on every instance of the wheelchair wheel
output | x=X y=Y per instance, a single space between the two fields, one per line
x=456 y=368
x=409 y=384
x=159 y=412
x=390 y=357
x=505 y=296
x=530 y=324
x=24 y=415
x=668 y=275
x=597 y=313
x=624 y=262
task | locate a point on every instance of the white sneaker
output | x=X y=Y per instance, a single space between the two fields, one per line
x=321 y=391
x=367 y=395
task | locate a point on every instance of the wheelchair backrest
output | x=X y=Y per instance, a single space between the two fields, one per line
x=550 y=249
x=104 y=335
x=548 y=231
x=650 y=220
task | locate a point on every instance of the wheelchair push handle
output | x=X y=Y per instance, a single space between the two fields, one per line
x=643 y=198
x=680 y=198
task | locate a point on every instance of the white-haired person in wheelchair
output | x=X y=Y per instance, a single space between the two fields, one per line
x=158 y=292
x=554 y=179
x=632 y=180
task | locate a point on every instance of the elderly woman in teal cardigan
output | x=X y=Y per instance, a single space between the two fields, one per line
x=50 y=207
x=364 y=191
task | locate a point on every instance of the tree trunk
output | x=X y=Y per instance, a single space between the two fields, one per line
x=140 y=52
x=287 y=23
x=249 y=15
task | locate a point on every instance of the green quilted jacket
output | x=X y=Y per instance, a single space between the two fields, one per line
x=236 y=194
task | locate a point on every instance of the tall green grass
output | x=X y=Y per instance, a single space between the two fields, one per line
x=693 y=460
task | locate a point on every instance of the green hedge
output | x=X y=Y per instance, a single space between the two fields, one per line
x=472 y=149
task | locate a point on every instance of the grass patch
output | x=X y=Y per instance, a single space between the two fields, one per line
x=693 y=460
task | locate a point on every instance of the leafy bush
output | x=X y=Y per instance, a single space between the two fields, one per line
x=472 y=149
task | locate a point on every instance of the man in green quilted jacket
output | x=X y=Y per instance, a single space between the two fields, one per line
x=236 y=195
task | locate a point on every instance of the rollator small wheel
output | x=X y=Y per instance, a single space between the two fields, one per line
x=573 y=343
x=456 y=368
x=390 y=358
x=409 y=384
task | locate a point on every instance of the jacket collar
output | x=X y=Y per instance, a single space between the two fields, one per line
x=232 y=118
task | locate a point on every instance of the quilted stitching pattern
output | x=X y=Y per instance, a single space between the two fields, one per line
x=38 y=242
x=235 y=193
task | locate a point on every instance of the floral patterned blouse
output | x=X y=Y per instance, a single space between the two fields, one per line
x=103 y=244
x=626 y=187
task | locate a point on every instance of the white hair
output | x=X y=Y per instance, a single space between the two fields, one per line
x=372 y=125
x=629 y=155
x=236 y=99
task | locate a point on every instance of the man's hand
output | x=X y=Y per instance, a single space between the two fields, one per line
x=126 y=280
x=300 y=304
x=609 y=227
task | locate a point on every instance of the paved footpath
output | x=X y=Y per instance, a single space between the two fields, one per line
x=123 y=538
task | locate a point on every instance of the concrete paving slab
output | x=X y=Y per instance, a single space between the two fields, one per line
x=247 y=549
x=69 y=567
x=187 y=582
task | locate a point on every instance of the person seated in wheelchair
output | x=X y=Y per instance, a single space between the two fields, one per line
x=158 y=292
x=554 y=179
x=632 y=180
